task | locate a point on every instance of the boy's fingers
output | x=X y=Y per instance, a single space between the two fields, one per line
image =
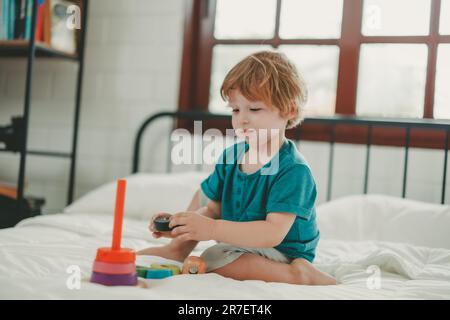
x=180 y=214
x=176 y=221
x=179 y=230
x=184 y=237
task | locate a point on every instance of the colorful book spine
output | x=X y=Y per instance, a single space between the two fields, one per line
x=40 y=22
x=11 y=19
x=29 y=13
x=1 y=20
x=19 y=32
x=4 y=8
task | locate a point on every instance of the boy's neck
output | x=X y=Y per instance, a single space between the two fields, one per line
x=267 y=151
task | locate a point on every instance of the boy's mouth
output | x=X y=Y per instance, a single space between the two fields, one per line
x=241 y=132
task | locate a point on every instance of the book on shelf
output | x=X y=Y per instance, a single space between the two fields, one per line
x=51 y=22
x=8 y=190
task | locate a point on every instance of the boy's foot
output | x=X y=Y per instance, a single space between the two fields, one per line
x=167 y=251
x=307 y=274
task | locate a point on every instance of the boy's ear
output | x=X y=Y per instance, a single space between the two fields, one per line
x=292 y=114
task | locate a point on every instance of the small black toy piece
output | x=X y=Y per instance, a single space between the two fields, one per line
x=162 y=223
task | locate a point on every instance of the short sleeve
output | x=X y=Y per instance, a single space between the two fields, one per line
x=294 y=191
x=212 y=186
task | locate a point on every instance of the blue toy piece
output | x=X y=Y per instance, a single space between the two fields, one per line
x=158 y=273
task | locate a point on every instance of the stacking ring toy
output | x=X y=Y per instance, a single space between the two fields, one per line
x=115 y=266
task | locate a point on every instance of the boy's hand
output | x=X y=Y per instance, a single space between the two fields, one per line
x=158 y=234
x=190 y=225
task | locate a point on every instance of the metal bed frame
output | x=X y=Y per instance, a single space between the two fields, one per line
x=369 y=123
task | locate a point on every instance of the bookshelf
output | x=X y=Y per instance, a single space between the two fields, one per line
x=19 y=48
x=31 y=50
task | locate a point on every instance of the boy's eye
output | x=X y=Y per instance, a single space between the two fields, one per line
x=255 y=109
x=235 y=110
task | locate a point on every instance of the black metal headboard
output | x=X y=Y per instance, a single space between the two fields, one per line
x=369 y=123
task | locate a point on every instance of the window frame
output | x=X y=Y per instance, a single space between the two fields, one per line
x=197 y=62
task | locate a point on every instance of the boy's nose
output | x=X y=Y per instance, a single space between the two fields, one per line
x=244 y=121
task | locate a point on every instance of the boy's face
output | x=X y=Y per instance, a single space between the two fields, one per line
x=255 y=119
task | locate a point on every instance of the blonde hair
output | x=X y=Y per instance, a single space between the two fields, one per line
x=272 y=78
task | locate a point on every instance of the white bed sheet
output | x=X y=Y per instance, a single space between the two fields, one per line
x=35 y=256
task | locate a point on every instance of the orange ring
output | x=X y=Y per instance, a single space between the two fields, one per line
x=123 y=255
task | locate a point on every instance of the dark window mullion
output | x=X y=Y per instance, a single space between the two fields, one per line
x=204 y=59
x=276 y=37
x=349 y=57
x=432 y=58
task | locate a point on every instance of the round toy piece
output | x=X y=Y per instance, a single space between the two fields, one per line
x=175 y=269
x=141 y=271
x=114 y=279
x=158 y=273
x=113 y=268
x=162 y=223
x=194 y=265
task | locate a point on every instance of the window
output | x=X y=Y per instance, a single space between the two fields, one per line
x=305 y=19
x=396 y=18
x=391 y=80
x=378 y=58
x=442 y=98
x=444 y=27
x=233 y=16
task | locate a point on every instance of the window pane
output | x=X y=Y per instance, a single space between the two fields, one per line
x=245 y=19
x=224 y=58
x=442 y=91
x=391 y=80
x=311 y=19
x=445 y=17
x=318 y=65
x=396 y=18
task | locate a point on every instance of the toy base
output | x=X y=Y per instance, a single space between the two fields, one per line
x=114 y=280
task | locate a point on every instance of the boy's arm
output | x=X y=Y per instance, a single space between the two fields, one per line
x=257 y=234
x=211 y=210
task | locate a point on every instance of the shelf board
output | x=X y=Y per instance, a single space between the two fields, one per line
x=19 y=48
x=44 y=153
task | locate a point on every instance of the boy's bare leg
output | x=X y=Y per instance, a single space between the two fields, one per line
x=176 y=250
x=253 y=267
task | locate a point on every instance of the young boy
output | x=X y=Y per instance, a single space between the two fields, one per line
x=261 y=196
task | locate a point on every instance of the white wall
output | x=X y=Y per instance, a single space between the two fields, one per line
x=133 y=61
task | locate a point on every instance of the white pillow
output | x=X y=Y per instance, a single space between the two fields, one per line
x=385 y=218
x=146 y=194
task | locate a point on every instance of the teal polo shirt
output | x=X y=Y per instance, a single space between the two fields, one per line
x=284 y=184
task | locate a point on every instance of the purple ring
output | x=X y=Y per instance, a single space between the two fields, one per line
x=114 y=279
